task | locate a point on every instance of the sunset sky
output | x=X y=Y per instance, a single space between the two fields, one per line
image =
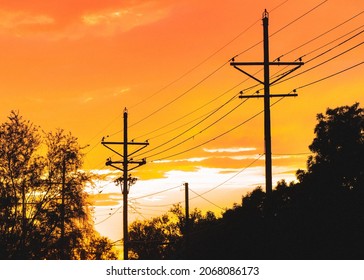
x=76 y=65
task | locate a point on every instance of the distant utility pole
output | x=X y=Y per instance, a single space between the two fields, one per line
x=125 y=162
x=187 y=217
x=267 y=83
x=63 y=247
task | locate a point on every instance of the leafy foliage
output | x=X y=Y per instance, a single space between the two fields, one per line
x=338 y=149
x=163 y=237
x=44 y=213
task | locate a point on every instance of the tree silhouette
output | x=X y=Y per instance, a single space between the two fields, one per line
x=338 y=149
x=329 y=196
x=157 y=238
x=163 y=237
x=44 y=212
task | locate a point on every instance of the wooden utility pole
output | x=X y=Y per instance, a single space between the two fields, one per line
x=187 y=217
x=125 y=162
x=267 y=83
x=63 y=249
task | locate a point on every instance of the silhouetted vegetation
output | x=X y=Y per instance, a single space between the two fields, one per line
x=44 y=213
x=164 y=237
x=321 y=216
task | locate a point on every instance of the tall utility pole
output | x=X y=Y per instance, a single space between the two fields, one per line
x=125 y=162
x=267 y=83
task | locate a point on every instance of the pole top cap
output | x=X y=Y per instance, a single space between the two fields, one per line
x=265 y=14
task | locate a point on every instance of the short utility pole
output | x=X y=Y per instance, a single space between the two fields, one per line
x=267 y=83
x=125 y=162
x=187 y=217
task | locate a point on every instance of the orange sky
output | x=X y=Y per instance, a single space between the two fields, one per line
x=76 y=64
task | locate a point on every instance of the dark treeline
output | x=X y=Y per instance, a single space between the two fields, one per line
x=321 y=216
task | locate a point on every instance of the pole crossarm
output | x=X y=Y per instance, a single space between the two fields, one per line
x=110 y=163
x=274 y=63
x=143 y=144
x=271 y=95
x=122 y=143
x=246 y=73
x=110 y=143
x=287 y=73
x=113 y=164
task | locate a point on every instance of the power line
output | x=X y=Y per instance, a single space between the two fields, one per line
x=204 y=198
x=278 y=6
x=322 y=34
x=282 y=28
x=135 y=198
x=235 y=175
x=99 y=133
x=190 y=128
x=192 y=112
x=212 y=139
x=206 y=59
x=181 y=95
x=329 y=43
x=155 y=193
x=334 y=47
x=176 y=128
x=201 y=131
x=322 y=63
x=110 y=215
x=138 y=212
x=223 y=183
x=298 y=18
x=326 y=44
x=330 y=76
x=198 y=65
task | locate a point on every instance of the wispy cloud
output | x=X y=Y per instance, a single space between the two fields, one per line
x=102 y=18
x=17 y=22
x=107 y=22
x=103 y=94
x=107 y=17
x=230 y=150
x=193 y=159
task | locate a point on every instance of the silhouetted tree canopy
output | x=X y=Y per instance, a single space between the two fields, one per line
x=338 y=149
x=44 y=213
x=163 y=237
